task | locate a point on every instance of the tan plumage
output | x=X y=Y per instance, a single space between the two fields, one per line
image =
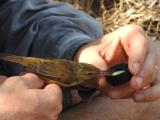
x=60 y=71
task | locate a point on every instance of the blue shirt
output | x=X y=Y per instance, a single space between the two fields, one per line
x=42 y=28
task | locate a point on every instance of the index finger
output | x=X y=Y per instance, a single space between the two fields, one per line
x=137 y=48
x=138 y=53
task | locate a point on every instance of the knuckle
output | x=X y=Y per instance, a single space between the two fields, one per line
x=136 y=27
x=31 y=76
x=132 y=29
x=14 y=80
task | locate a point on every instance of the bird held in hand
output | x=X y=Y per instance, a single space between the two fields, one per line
x=63 y=72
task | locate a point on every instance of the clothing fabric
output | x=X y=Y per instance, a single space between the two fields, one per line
x=2 y=2
x=43 y=28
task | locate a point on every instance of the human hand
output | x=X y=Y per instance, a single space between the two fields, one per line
x=22 y=99
x=126 y=45
x=152 y=91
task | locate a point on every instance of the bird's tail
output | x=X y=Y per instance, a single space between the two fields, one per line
x=22 y=60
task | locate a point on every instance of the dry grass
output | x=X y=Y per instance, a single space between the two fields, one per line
x=117 y=13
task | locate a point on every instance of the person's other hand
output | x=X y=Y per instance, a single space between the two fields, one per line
x=22 y=98
x=152 y=91
x=125 y=45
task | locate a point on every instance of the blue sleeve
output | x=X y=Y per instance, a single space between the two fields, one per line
x=43 y=28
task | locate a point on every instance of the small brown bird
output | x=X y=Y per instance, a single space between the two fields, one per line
x=60 y=71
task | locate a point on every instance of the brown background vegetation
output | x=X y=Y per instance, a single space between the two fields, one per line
x=116 y=13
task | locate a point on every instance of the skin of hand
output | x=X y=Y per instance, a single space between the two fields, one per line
x=23 y=98
x=129 y=45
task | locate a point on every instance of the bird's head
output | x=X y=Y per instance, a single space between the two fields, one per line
x=87 y=71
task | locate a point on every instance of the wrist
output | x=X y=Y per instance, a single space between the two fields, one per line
x=82 y=57
x=79 y=52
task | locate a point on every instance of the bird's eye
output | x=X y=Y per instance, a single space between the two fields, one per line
x=86 y=73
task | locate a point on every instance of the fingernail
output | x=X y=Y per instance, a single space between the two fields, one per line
x=139 y=97
x=135 y=68
x=139 y=82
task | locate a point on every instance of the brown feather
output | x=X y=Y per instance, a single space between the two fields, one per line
x=60 y=71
